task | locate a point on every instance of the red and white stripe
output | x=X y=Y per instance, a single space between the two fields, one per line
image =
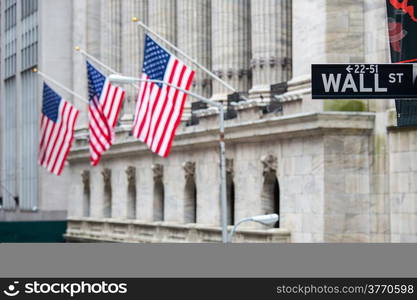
x=159 y=110
x=103 y=114
x=111 y=100
x=56 y=138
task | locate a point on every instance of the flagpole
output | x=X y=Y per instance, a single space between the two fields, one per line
x=86 y=54
x=126 y=79
x=35 y=70
x=223 y=175
x=214 y=76
x=103 y=65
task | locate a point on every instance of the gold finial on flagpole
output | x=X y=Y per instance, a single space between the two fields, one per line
x=34 y=70
x=77 y=48
x=135 y=19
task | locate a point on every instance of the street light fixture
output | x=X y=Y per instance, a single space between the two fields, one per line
x=262 y=219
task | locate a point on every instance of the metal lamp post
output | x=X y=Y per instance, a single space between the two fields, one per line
x=262 y=219
x=116 y=78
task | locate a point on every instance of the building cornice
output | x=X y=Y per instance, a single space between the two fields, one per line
x=192 y=137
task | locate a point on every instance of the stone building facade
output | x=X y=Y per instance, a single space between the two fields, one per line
x=334 y=170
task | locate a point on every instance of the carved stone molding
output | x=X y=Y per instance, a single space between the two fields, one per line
x=231 y=73
x=158 y=172
x=106 y=173
x=201 y=82
x=205 y=82
x=218 y=73
x=189 y=169
x=286 y=62
x=261 y=62
x=273 y=61
x=270 y=164
x=131 y=175
x=85 y=177
x=229 y=167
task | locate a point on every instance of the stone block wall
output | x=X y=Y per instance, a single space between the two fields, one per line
x=403 y=185
x=347 y=188
x=301 y=182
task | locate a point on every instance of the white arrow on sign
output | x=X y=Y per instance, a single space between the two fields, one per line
x=349 y=68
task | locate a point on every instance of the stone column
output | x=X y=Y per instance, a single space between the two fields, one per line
x=132 y=51
x=93 y=28
x=194 y=38
x=79 y=84
x=271 y=44
x=231 y=46
x=111 y=34
x=86 y=25
x=162 y=18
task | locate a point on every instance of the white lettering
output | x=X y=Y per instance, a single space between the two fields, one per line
x=392 y=78
x=399 y=76
x=349 y=84
x=377 y=88
x=331 y=82
x=362 y=88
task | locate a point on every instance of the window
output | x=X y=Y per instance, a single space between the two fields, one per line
x=270 y=202
x=270 y=195
x=29 y=7
x=131 y=208
x=131 y=192
x=190 y=193
x=107 y=201
x=10 y=39
x=10 y=54
x=86 y=201
x=10 y=14
x=85 y=175
x=158 y=193
x=190 y=214
x=230 y=192
x=29 y=46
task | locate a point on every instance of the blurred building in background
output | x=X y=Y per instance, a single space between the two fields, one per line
x=33 y=204
x=334 y=170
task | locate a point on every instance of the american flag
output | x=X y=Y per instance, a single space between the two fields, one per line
x=159 y=107
x=57 y=130
x=104 y=108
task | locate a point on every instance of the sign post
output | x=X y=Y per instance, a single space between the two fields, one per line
x=363 y=81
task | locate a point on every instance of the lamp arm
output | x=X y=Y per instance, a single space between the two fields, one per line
x=235 y=227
